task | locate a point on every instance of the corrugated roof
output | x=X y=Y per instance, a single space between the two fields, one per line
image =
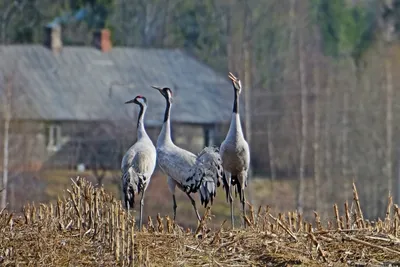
x=74 y=84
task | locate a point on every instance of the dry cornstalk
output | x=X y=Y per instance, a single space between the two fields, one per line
x=300 y=223
x=283 y=227
x=122 y=221
x=294 y=217
x=251 y=210
x=132 y=238
x=150 y=225
x=247 y=221
x=258 y=214
x=342 y=222
x=347 y=214
x=350 y=238
x=329 y=225
x=76 y=207
x=290 y=217
x=112 y=226
x=96 y=211
x=160 y=224
x=203 y=221
x=320 y=251
x=27 y=211
x=170 y=228
x=328 y=231
x=217 y=236
x=317 y=221
x=396 y=219
x=117 y=231
x=357 y=200
x=336 y=211
x=388 y=212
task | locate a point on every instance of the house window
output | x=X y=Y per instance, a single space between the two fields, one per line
x=209 y=136
x=53 y=137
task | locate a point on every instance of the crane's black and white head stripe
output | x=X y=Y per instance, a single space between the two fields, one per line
x=140 y=100
x=166 y=92
x=237 y=84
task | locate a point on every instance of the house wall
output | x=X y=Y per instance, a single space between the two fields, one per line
x=90 y=142
x=26 y=145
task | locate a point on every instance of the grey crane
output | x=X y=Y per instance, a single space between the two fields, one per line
x=235 y=154
x=185 y=170
x=139 y=162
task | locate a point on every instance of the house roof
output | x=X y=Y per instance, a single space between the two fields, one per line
x=75 y=84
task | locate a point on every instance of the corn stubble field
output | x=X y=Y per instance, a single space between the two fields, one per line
x=89 y=227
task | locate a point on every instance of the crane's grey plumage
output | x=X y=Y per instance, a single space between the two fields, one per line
x=235 y=154
x=185 y=170
x=139 y=162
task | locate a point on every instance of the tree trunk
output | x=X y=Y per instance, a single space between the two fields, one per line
x=327 y=137
x=316 y=143
x=345 y=134
x=304 y=124
x=246 y=50
x=271 y=152
x=165 y=29
x=389 y=123
x=229 y=33
x=6 y=141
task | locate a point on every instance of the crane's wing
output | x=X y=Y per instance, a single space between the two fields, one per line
x=206 y=174
x=127 y=159
x=130 y=186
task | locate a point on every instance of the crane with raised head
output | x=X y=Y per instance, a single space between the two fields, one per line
x=235 y=154
x=185 y=170
x=139 y=162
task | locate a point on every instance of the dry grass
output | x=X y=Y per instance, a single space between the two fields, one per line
x=89 y=227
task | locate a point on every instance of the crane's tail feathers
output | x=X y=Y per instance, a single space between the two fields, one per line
x=210 y=159
x=132 y=184
x=208 y=191
x=128 y=189
x=209 y=168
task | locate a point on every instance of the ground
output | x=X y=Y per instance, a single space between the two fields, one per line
x=89 y=227
x=279 y=194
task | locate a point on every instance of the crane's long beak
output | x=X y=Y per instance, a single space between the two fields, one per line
x=155 y=87
x=130 y=101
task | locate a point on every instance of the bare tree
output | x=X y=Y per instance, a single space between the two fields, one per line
x=7 y=116
x=317 y=118
x=389 y=122
x=271 y=150
x=304 y=125
x=326 y=134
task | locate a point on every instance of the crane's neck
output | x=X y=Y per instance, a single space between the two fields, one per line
x=141 y=132
x=235 y=128
x=165 y=134
x=236 y=102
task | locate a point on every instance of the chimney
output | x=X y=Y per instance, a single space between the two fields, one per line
x=52 y=38
x=102 y=40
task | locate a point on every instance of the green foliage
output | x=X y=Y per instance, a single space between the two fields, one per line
x=99 y=11
x=346 y=30
x=198 y=28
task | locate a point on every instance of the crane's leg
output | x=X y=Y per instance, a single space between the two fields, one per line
x=174 y=205
x=243 y=200
x=141 y=210
x=194 y=206
x=230 y=198
x=171 y=186
x=231 y=206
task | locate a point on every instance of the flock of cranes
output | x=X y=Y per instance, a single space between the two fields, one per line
x=191 y=173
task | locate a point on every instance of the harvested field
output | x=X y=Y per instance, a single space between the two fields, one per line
x=89 y=227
